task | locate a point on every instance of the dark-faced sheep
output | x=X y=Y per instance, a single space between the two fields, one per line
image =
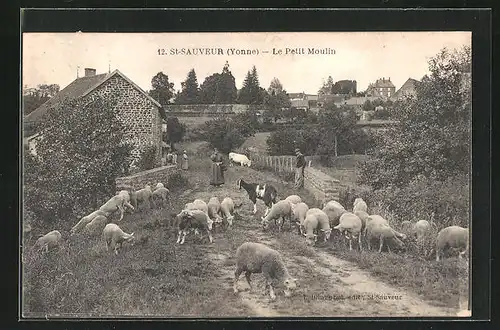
x=452 y=237
x=258 y=258
x=114 y=237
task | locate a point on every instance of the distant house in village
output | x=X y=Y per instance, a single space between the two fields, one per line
x=303 y=101
x=324 y=99
x=141 y=114
x=408 y=89
x=382 y=88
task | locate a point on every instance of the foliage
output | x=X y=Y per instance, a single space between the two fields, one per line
x=383 y=113
x=251 y=92
x=327 y=86
x=433 y=136
x=162 y=90
x=225 y=133
x=219 y=88
x=344 y=87
x=147 y=159
x=175 y=130
x=275 y=99
x=248 y=122
x=284 y=141
x=190 y=93
x=79 y=155
x=35 y=97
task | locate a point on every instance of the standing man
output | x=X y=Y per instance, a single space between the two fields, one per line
x=300 y=165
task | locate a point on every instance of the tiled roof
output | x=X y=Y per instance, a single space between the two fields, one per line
x=81 y=87
x=383 y=83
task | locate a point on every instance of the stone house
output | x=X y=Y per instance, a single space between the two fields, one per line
x=407 y=89
x=141 y=114
x=382 y=88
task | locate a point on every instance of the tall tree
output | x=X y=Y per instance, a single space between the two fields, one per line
x=175 y=131
x=162 y=90
x=276 y=99
x=326 y=89
x=190 y=93
x=219 y=88
x=251 y=92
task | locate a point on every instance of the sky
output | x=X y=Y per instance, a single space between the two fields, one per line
x=54 y=58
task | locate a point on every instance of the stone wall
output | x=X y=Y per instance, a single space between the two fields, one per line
x=153 y=176
x=322 y=186
x=180 y=110
x=138 y=113
x=279 y=163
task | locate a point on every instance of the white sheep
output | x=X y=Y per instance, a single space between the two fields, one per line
x=452 y=237
x=115 y=203
x=126 y=198
x=283 y=210
x=49 y=240
x=239 y=158
x=334 y=210
x=323 y=222
x=258 y=258
x=144 y=195
x=227 y=210
x=359 y=205
x=363 y=216
x=378 y=228
x=294 y=199
x=316 y=219
x=193 y=220
x=190 y=207
x=159 y=185
x=420 y=229
x=350 y=225
x=200 y=205
x=114 y=237
x=96 y=224
x=160 y=195
x=214 y=209
x=85 y=220
x=299 y=211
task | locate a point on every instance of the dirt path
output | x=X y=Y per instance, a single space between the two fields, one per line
x=328 y=285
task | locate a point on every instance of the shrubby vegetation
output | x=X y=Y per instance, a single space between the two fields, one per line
x=78 y=157
x=147 y=159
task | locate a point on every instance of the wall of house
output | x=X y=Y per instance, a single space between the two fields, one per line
x=139 y=180
x=138 y=113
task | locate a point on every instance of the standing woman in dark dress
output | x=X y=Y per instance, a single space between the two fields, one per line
x=218 y=169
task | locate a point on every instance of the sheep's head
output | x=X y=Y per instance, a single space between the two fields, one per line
x=311 y=238
x=230 y=220
x=264 y=223
x=290 y=284
x=327 y=233
x=130 y=238
x=210 y=223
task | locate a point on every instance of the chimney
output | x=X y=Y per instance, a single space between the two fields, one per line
x=89 y=72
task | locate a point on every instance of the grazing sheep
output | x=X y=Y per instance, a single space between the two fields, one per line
x=323 y=222
x=160 y=195
x=214 y=209
x=299 y=211
x=193 y=220
x=378 y=228
x=239 y=158
x=159 y=185
x=363 y=216
x=126 y=198
x=144 y=195
x=350 y=225
x=201 y=205
x=334 y=210
x=294 y=199
x=316 y=218
x=266 y=193
x=282 y=209
x=114 y=236
x=258 y=258
x=85 y=220
x=96 y=224
x=190 y=207
x=359 y=205
x=420 y=229
x=227 y=210
x=49 y=240
x=115 y=203
x=452 y=237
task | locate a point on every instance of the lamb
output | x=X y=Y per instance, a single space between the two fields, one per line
x=334 y=210
x=239 y=158
x=294 y=199
x=299 y=214
x=114 y=236
x=85 y=220
x=253 y=258
x=160 y=195
x=266 y=193
x=452 y=237
x=96 y=224
x=350 y=225
x=359 y=205
x=201 y=205
x=316 y=218
x=144 y=195
x=282 y=209
x=227 y=210
x=49 y=240
x=193 y=220
x=115 y=203
x=214 y=209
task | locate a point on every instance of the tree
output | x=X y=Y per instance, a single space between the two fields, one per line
x=275 y=100
x=344 y=87
x=81 y=151
x=175 y=131
x=251 y=92
x=162 y=90
x=368 y=106
x=326 y=89
x=432 y=139
x=219 y=88
x=223 y=134
x=35 y=97
x=190 y=93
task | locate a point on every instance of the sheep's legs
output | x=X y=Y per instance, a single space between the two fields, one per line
x=254 y=208
x=179 y=236
x=271 y=291
x=210 y=236
x=381 y=244
x=247 y=276
x=359 y=242
x=437 y=254
x=350 y=243
x=237 y=274
x=267 y=211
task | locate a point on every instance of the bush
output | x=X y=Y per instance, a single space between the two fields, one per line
x=176 y=181
x=147 y=159
x=225 y=134
x=285 y=140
